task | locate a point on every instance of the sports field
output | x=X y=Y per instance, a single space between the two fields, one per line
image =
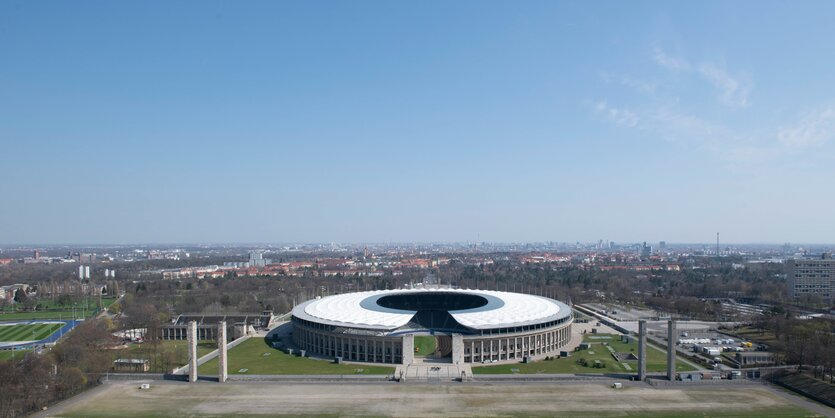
x=425 y=345
x=250 y=399
x=602 y=346
x=82 y=310
x=254 y=356
x=27 y=332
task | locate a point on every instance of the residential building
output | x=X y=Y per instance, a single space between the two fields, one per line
x=811 y=277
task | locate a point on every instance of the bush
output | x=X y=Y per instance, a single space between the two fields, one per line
x=583 y=362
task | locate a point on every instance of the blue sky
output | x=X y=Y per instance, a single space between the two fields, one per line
x=416 y=121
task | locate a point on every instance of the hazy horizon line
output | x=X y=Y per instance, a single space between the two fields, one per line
x=244 y=243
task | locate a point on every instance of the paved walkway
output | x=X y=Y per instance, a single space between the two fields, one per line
x=432 y=372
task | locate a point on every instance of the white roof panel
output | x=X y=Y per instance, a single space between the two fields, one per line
x=504 y=309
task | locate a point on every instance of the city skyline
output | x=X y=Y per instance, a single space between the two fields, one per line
x=378 y=122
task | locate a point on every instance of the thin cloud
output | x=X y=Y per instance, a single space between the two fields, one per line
x=733 y=92
x=636 y=84
x=813 y=131
x=670 y=118
x=672 y=63
x=623 y=117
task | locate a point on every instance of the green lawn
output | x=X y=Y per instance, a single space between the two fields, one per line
x=167 y=355
x=425 y=345
x=259 y=358
x=65 y=315
x=754 y=334
x=203 y=347
x=656 y=360
x=51 y=311
x=27 y=332
x=7 y=354
x=47 y=303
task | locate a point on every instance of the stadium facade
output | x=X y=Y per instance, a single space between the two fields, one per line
x=472 y=326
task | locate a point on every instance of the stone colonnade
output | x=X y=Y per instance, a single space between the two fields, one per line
x=478 y=349
x=475 y=348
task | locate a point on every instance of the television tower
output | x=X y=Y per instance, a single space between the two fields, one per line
x=717 y=244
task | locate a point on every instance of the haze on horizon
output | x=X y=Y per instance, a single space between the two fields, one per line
x=416 y=122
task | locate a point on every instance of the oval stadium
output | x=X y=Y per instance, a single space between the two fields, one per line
x=469 y=326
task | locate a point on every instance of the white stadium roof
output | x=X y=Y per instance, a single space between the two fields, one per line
x=503 y=309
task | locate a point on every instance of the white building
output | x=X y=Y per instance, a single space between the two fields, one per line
x=811 y=277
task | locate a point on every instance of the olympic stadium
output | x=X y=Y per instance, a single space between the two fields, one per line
x=470 y=326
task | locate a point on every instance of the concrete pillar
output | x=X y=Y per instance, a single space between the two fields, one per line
x=192 y=351
x=672 y=337
x=642 y=350
x=222 y=374
x=457 y=349
x=408 y=350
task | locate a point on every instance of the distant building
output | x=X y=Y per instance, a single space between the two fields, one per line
x=131 y=365
x=8 y=293
x=646 y=250
x=86 y=257
x=237 y=324
x=811 y=277
x=256 y=259
x=755 y=358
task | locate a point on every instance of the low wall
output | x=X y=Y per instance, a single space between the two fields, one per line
x=309 y=377
x=705 y=382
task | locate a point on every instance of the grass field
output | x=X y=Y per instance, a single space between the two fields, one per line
x=65 y=315
x=7 y=354
x=754 y=334
x=203 y=347
x=168 y=355
x=656 y=360
x=252 y=399
x=425 y=345
x=257 y=357
x=27 y=332
x=58 y=312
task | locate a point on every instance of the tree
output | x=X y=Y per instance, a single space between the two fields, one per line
x=64 y=300
x=115 y=308
x=20 y=296
x=70 y=380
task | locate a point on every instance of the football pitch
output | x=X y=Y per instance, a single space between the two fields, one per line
x=27 y=332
